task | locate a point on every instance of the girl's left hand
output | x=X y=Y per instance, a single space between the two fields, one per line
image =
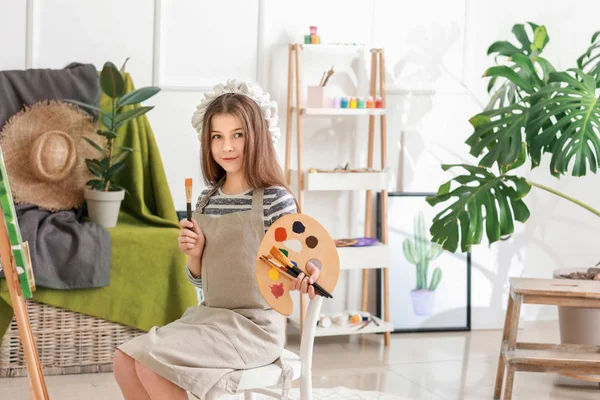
x=301 y=283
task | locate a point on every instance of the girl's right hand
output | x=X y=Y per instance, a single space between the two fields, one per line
x=191 y=239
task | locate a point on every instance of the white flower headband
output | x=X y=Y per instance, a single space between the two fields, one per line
x=256 y=93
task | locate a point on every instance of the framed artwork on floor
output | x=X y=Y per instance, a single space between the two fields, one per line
x=429 y=287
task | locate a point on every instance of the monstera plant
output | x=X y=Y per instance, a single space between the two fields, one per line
x=534 y=111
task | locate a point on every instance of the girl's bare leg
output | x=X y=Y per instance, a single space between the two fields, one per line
x=127 y=378
x=158 y=387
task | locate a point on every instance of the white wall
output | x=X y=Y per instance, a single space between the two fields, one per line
x=435 y=56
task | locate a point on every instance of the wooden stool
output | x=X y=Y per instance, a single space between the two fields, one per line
x=539 y=357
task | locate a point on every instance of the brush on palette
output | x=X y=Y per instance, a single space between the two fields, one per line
x=188 y=198
x=286 y=271
x=294 y=270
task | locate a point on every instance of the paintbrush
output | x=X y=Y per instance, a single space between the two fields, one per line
x=279 y=256
x=294 y=274
x=282 y=269
x=188 y=198
x=329 y=74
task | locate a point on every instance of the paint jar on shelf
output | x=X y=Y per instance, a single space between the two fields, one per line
x=370 y=103
x=335 y=102
x=378 y=102
x=360 y=103
x=352 y=102
x=307 y=39
x=344 y=102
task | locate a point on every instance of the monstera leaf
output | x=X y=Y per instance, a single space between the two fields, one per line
x=565 y=121
x=589 y=62
x=507 y=92
x=482 y=198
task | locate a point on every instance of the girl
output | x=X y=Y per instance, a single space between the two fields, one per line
x=233 y=328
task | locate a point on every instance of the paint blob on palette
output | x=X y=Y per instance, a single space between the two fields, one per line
x=301 y=238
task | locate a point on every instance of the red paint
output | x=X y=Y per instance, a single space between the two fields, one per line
x=280 y=234
x=277 y=290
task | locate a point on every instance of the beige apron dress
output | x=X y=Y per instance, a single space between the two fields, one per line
x=234 y=328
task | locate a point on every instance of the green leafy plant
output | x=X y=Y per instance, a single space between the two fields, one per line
x=111 y=160
x=533 y=111
x=421 y=251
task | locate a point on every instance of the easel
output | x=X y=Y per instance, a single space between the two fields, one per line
x=37 y=384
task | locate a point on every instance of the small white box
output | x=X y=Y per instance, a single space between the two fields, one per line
x=317 y=97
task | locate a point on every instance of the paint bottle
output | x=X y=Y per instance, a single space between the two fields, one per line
x=336 y=103
x=313 y=30
x=370 y=103
x=344 y=102
x=378 y=102
x=353 y=102
x=360 y=103
x=307 y=39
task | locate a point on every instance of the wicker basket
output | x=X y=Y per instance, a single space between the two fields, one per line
x=67 y=342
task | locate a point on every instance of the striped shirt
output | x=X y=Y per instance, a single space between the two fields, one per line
x=277 y=202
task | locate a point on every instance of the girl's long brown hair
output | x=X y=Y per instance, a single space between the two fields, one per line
x=261 y=169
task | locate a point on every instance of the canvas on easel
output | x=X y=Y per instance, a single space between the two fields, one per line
x=16 y=266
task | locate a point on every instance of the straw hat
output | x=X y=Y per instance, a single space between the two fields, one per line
x=45 y=154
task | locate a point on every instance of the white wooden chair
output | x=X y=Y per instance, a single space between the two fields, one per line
x=259 y=380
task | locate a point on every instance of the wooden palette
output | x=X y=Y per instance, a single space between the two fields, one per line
x=303 y=239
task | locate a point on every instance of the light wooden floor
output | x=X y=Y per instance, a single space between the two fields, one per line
x=417 y=366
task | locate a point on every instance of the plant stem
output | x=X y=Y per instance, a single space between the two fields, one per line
x=564 y=196
x=110 y=142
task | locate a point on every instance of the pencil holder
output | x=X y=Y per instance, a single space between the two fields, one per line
x=317 y=97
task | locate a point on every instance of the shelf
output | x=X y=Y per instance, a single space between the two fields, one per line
x=367 y=257
x=330 y=47
x=335 y=330
x=336 y=181
x=342 y=111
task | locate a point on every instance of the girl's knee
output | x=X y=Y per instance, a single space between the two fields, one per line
x=123 y=364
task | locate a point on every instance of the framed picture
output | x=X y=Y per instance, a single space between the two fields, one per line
x=429 y=287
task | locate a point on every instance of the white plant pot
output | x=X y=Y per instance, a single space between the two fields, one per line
x=423 y=302
x=578 y=325
x=103 y=207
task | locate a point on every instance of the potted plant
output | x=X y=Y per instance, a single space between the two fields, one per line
x=534 y=111
x=420 y=252
x=103 y=196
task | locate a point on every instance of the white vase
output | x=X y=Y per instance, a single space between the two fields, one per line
x=423 y=302
x=103 y=207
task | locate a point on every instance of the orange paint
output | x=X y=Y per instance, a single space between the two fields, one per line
x=280 y=234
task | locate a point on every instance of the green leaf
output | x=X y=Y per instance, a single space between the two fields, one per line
x=540 y=38
x=500 y=132
x=568 y=117
x=520 y=160
x=114 y=187
x=114 y=170
x=107 y=121
x=111 y=81
x=107 y=134
x=480 y=190
x=96 y=184
x=589 y=62
x=519 y=31
x=95 y=167
x=122 y=70
x=85 y=105
x=511 y=75
x=120 y=157
x=543 y=33
x=130 y=114
x=95 y=145
x=503 y=48
x=138 y=96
